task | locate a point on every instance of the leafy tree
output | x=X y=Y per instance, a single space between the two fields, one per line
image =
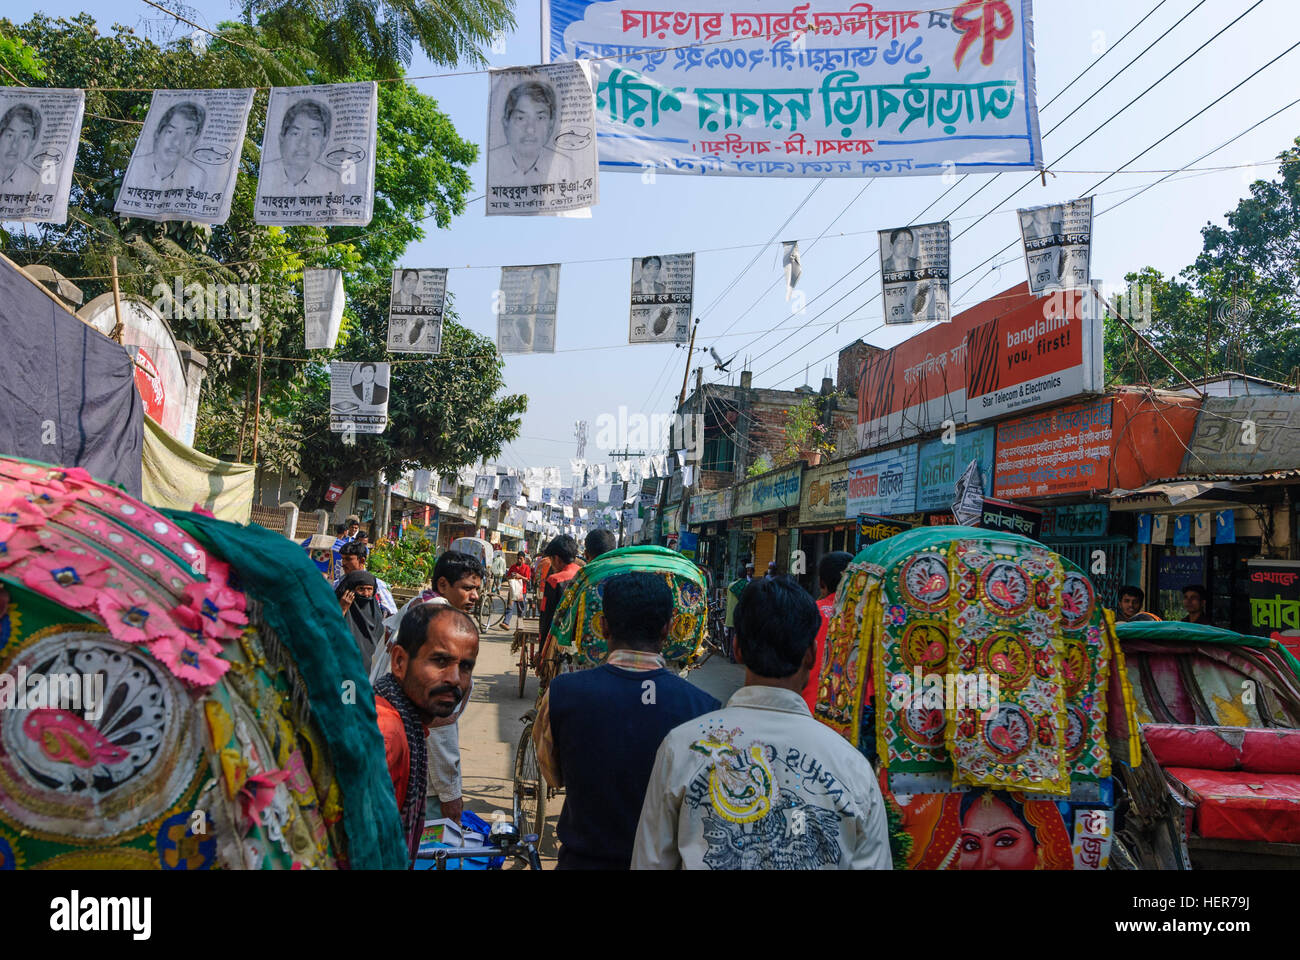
x=1237 y=307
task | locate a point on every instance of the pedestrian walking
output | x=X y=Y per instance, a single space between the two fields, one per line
x=597 y=730
x=732 y=790
x=520 y=572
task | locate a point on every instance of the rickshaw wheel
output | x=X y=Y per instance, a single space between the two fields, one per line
x=530 y=786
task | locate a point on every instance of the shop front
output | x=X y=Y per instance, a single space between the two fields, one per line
x=762 y=506
x=823 y=525
x=706 y=516
x=883 y=485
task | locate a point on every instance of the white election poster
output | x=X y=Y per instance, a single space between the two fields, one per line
x=541 y=141
x=39 y=130
x=322 y=300
x=187 y=158
x=662 y=291
x=914 y=273
x=1058 y=245
x=415 y=311
x=358 y=397
x=318 y=156
x=526 y=308
x=826 y=89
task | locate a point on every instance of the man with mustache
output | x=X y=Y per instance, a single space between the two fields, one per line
x=168 y=165
x=20 y=132
x=304 y=135
x=432 y=674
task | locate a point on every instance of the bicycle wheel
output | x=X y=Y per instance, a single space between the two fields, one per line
x=523 y=666
x=530 y=787
x=496 y=610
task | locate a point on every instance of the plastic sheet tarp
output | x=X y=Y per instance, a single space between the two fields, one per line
x=177 y=477
x=67 y=392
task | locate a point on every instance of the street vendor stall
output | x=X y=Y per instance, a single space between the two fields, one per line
x=980 y=675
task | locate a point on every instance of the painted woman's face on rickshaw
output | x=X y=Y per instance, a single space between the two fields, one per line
x=994 y=838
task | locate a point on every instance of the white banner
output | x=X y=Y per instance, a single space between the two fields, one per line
x=541 y=157
x=322 y=300
x=1058 y=245
x=662 y=291
x=187 y=158
x=318 y=156
x=817 y=89
x=358 y=397
x=39 y=130
x=415 y=311
x=914 y=273
x=526 y=307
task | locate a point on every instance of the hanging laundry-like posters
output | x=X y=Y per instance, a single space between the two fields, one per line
x=415 y=311
x=822 y=89
x=39 y=130
x=359 y=397
x=914 y=273
x=318 y=156
x=322 y=297
x=541 y=157
x=1058 y=245
x=526 y=306
x=187 y=158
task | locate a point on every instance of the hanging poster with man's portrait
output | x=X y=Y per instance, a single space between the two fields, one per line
x=662 y=291
x=39 y=130
x=187 y=158
x=914 y=273
x=541 y=157
x=415 y=311
x=318 y=156
x=526 y=306
x=322 y=300
x=359 y=397
x=1058 y=245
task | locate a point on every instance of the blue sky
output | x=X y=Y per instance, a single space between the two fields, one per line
x=594 y=370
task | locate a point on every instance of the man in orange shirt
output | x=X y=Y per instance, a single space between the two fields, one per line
x=829 y=570
x=562 y=553
x=432 y=670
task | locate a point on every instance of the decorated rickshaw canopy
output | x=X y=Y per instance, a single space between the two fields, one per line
x=212 y=709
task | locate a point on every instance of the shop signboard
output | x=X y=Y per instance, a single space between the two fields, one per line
x=1011 y=517
x=1079 y=521
x=1245 y=435
x=1275 y=600
x=825 y=494
x=873 y=529
x=773 y=491
x=940 y=463
x=709 y=507
x=1066 y=450
x=883 y=483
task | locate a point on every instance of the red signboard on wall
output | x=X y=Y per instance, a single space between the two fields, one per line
x=1062 y=450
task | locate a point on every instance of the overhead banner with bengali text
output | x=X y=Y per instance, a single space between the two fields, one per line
x=818 y=89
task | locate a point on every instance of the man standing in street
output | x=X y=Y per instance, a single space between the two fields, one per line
x=1195 y=600
x=432 y=669
x=597 y=730
x=731 y=790
x=829 y=571
x=734 y=590
x=351 y=527
x=352 y=556
x=563 y=551
x=520 y=572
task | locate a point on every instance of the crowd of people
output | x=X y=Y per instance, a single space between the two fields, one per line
x=657 y=773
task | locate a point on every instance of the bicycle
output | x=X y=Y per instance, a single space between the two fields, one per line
x=531 y=789
x=491 y=607
x=505 y=840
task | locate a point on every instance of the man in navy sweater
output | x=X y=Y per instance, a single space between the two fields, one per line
x=597 y=730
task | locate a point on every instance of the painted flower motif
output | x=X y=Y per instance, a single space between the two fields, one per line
x=71 y=579
x=897 y=615
x=16 y=512
x=16 y=545
x=219 y=606
x=132 y=622
x=49 y=501
x=191 y=658
x=67 y=481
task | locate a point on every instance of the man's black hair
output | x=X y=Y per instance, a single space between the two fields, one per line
x=454 y=566
x=1132 y=591
x=564 y=547
x=899 y=232
x=1199 y=590
x=407 y=272
x=315 y=111
x=413 y=632
x=831 y=567
x=354 y=548
x=776 y=623
x=371 y=366
x=637 y=606
x=646 y=260
x=598 y=542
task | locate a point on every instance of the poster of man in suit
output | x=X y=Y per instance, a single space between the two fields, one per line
x=359 y=397
x=663 y=290
x=914 y=273
x=1058 y=245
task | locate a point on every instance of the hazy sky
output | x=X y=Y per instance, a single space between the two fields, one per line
x=594 y=370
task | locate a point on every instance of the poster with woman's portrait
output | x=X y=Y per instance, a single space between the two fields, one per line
x=187 y=158
x=318 y=156
x=982 y=829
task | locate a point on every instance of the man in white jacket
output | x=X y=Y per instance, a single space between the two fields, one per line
x=760 y=784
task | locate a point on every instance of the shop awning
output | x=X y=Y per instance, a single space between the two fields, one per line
x=1176 y=493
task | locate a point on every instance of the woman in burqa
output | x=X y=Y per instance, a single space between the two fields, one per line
x=356 y=593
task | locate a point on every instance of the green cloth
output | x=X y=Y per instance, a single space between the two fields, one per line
x=300 y=606
x=177 y=477
x=1179 y=631
x=734 y=590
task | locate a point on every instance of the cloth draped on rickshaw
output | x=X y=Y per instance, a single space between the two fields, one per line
x=223 y=717
x=980 y=674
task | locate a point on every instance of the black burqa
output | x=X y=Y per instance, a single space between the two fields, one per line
x=363 y=617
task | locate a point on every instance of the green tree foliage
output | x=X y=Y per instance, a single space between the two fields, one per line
x=421 y=179
x=1243 y=290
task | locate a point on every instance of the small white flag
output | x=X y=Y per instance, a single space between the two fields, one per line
x=793 y=267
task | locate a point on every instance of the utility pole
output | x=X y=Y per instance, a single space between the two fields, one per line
x=681 y=399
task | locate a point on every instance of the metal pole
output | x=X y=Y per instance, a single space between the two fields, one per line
x=257 y=407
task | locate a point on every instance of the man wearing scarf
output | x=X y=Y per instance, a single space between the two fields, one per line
x=361 y=612
x=432 y=674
